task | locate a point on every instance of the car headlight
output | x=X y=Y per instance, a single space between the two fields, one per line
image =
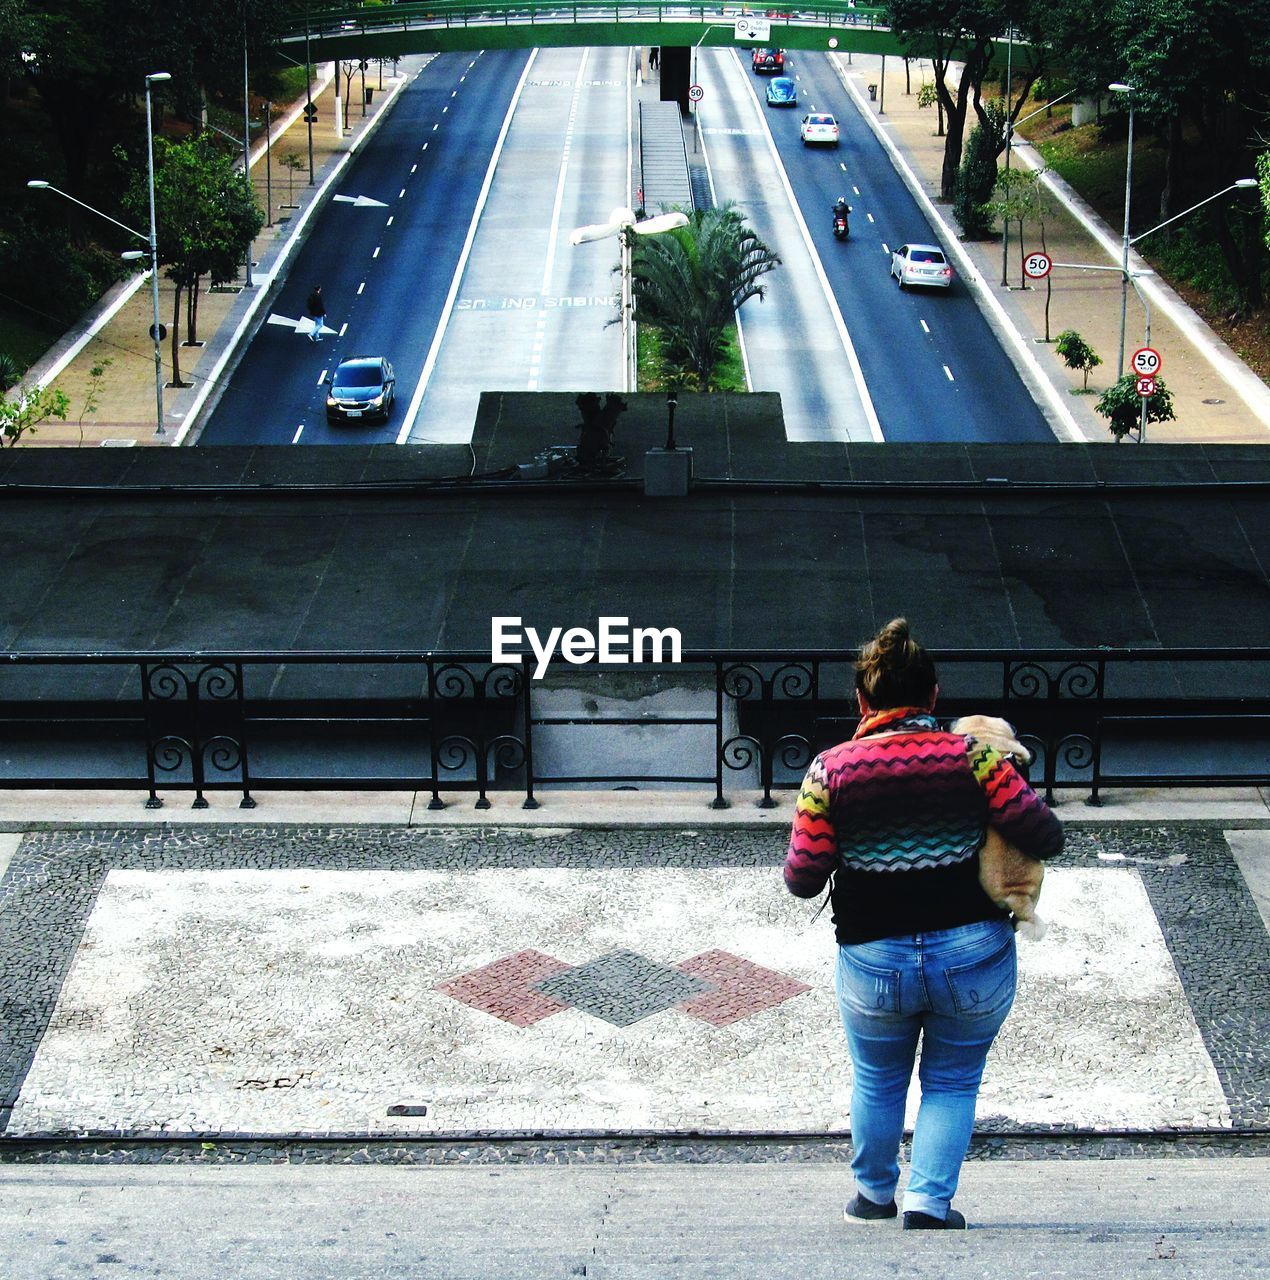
x=331 y=402
x=377 y=402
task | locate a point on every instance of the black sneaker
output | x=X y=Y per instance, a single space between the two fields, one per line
x=862 y=1209
x=927 y=1222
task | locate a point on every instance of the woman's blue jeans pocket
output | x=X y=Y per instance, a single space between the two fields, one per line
x=867 y=989
x=984 y=987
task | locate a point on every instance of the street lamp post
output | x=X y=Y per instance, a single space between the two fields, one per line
x=1118 y=87
x=156 y=331
x=622 y=220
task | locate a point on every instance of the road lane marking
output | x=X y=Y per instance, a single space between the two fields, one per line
x=424 y=147
x=869 y=216
x=321 y=377
x=360 y=287
x=831 y=301
x=295 y=439
x=401 y=193
x=388 y=223
x=554 y=230
x=886 y=248
x=842 y=165
x=438 y=337
x=948 y=371
x=436 y=126
x=343 y=328
x=455 y=94
x=444 y=109
x=925 y=326
x=376 y=253
x=855 y=191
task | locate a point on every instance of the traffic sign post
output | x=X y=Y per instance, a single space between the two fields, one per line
x=695 y=93
x=1036 y=266
x=1146 y=362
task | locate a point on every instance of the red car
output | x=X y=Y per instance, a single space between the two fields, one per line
x=768 y=61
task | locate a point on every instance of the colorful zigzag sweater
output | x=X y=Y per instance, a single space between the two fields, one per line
x=896 y=816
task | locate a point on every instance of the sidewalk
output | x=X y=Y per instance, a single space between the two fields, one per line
x=120 y=326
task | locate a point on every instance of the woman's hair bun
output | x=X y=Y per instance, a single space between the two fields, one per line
x=894 y=670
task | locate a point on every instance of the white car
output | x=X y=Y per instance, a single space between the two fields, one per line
x=819 y=128
x=921 y=264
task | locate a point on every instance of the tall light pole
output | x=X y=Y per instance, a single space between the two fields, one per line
x=1009 y=135
x=157 y=77
x=620 y=222
x=156 y=330
x=1118 y=87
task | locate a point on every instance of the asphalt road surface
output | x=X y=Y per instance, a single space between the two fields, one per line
x=447 y=250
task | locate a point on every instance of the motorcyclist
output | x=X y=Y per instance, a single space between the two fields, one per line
x=840 y=210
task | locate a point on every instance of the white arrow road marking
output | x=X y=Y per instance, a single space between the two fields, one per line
x=303 y=325
x=361 y=202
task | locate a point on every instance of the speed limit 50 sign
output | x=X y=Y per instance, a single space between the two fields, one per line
x=1146 y=362
x=1036 y=266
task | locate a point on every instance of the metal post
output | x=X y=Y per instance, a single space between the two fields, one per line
x=308 y=91
x=1146 y=342
x=1124 y=242
x=1009 y=137
x=159 y=428
x=269 y=161
x=882 y=88
x=246 y=146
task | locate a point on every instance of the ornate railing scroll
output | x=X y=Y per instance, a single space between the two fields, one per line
x=485 y=750
x=1052 y=738
x=208 y=704
x=772 y=686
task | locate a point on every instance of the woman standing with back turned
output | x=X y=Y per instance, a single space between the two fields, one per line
x=896 y=817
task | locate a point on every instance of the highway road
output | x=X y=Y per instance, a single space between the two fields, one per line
x=934 y=368
x=385 y=267
x=447 y=250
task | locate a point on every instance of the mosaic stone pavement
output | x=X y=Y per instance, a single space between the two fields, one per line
x=381 y=981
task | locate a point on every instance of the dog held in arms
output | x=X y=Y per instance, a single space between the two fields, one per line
x=1010 y=878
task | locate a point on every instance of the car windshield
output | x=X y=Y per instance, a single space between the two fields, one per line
x=358 y=376
x=926 y=255
x=820 y=120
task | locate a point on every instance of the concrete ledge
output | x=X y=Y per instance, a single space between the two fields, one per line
x=1233 y=809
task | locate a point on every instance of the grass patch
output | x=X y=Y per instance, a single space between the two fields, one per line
x=650 y=365
x=25 y=342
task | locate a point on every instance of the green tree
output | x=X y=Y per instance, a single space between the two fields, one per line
x=206 y=214
x=23 y=409
x=972 y=196
x=1121 y=405
x=1077 y=353
x=689 y=283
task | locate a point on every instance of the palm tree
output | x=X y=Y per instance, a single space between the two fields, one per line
x=689 y=282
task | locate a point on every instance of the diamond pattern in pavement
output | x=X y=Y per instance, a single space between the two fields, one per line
x=742 y=987
x=622 y=987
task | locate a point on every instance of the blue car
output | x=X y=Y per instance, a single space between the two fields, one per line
x=782 y=92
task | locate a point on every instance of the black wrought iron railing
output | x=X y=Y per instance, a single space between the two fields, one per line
x=719 y=723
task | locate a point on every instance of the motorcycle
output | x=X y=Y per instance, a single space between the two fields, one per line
x=841 y=230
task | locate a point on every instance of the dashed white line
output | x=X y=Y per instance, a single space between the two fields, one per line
x=948 y=371
x=424 y=147
x=886 y=248
x=436 y=126
x=343 y=328
x=445 y=109
x=413 y=167
x=869 y=216
x=842 y=165
x=295 y=439
x=925 y=326
x=376 y=253
x=855 y=190
x=401 y=193
x=360 y=287
x=388 y=223
x=321 y=377
x=455 y=94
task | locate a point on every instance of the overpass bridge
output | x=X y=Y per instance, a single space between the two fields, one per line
x=387 y=31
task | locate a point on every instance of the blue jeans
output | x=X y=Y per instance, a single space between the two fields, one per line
x=955 y=987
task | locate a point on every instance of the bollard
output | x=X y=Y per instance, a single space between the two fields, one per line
x=873 y=93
